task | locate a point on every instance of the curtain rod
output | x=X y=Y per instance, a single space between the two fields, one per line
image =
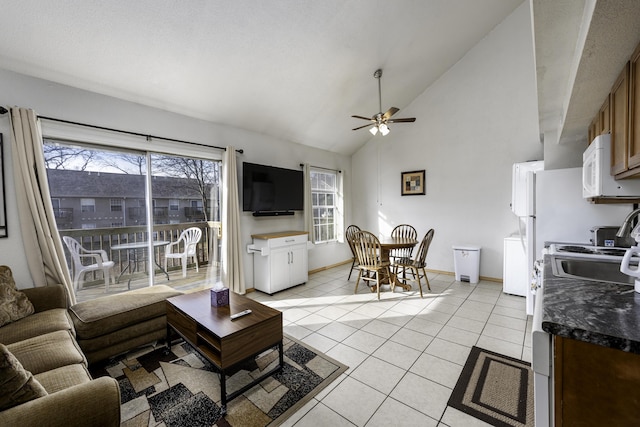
x=320 y=167
x=134 y=133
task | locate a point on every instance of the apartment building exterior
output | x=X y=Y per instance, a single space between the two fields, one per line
x=85 y=200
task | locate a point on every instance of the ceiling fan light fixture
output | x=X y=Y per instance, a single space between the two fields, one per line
x=380 y=120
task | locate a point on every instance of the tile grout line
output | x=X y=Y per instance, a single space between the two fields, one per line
x=357 y=304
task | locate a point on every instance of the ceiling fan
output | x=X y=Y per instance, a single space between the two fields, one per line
x=380 y=121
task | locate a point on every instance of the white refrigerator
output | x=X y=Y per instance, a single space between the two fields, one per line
x=556 y=212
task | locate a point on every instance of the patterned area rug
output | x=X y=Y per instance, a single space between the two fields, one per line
x=181 y=388
x=496 y=389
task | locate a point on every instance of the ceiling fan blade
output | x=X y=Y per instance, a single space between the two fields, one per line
x=390 y=112
x=407 y=120
x=360 y=127
x=363 y=118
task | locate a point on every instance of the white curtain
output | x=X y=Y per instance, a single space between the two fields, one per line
x=42 y=243
x=308 y=206
x=340 y=214
x=232 y=251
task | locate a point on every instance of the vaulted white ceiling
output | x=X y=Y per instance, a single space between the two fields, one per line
x=294 y=69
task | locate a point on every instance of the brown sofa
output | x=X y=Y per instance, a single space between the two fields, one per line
x=111 y=325
x=55 y=344
x=44 y=343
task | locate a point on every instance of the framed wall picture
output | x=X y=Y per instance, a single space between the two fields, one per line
x=3 y=205
x=413 y=183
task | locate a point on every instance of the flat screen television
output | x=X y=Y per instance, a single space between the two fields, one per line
x=269 y=190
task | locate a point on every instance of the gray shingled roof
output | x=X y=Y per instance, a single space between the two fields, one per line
x=72 y=183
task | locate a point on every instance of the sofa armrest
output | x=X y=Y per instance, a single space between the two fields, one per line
x=95 y=403
x=47 y=297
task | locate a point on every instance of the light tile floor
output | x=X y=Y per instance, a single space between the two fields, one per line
x=404 y=353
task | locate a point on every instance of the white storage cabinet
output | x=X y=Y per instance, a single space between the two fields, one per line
x=281 y=261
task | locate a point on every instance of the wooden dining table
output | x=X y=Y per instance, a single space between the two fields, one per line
x=389 y=243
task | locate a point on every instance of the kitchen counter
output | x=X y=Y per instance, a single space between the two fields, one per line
x=607 y=314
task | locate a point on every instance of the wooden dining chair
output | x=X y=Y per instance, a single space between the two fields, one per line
x=372 y=268
x=418 y=264
x=349 y=235
x=405 y=231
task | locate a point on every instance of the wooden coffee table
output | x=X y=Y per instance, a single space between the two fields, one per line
x=222 y=341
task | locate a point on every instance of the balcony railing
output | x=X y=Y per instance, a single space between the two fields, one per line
x=208 y=249
x=139 y=215
x=194 y=214
x=64 y=217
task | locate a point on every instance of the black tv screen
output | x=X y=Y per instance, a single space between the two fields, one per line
x=271 y=189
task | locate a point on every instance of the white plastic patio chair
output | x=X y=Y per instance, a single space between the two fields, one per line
x=97 y=259
x=190 y=238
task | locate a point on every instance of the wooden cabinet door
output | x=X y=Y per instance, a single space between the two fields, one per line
x=601 y=123
x=634 y=110
x=619 y=105
x=604 y=118
x=594 y=385
x=593 y=129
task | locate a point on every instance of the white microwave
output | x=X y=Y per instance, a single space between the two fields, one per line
x=596 y=173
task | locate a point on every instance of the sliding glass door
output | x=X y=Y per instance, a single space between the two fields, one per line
x=186 y=195
x=132 y=205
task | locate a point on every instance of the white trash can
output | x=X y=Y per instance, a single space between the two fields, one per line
x=466 y=262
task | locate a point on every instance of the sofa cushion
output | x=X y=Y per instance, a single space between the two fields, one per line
x=47 y=297
x=104 y=315
x=37 y=324
x=17 y=385
x=125 y=335
x=14 y=305
x=63 y=377
x=123 y=340
x=92 y=404
x=48 y=351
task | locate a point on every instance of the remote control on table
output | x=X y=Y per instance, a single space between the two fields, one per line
x=240 y=314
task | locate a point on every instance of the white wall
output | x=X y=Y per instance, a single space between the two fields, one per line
x=472 y=125
x=562 y=156
x=59 y=101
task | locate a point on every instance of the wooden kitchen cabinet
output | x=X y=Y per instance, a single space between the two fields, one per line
x=634 y=110
x=595 y=385
x=593 y=129
x=619 y=114
x=601 y=123
x=604 y=118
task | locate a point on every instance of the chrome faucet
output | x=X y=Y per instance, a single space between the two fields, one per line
x=625 y=229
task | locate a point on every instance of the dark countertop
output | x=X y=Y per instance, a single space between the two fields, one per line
x=602 y=313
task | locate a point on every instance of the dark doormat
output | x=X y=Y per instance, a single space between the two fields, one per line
x=496 y=389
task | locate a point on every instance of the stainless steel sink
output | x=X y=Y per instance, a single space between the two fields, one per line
x=587 y=250
x=590 y=268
